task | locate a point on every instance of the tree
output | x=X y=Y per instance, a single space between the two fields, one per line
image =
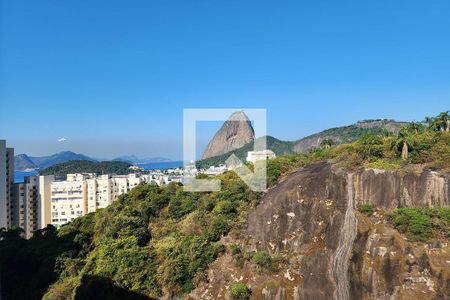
x=370 y=146
x=327 y=143
x=443 y=120
x=240 y=291
x=431 y=123
x=403 y=142
x=416 y=127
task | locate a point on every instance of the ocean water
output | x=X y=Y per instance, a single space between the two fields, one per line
x=162 y=165
x=19 y=175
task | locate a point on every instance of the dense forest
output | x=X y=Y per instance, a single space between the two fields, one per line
x=86 y=166
x=160 y=240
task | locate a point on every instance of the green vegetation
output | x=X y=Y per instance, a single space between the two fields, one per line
x=420 y=224
x=351 y=133
x=261 y=259
x=277 y=146
x=327 y=143
x=149 y=240
x=264 y=261
x=367 y=209
x=384 y=165
x=329 y=137
x=415 y=143
x=240 y=291
x=157 y=240
x=86 y=166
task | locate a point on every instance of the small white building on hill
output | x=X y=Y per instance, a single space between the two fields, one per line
x=253 y=156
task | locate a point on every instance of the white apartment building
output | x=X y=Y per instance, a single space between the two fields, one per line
x=6 y=184
x=99 y=192
x=40 y=200
x=69 y=198
x=254 y=156
x=105 y=189
x=84 y=193
x=213 y=170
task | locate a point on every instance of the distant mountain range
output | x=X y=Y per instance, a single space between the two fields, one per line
x=23 y=162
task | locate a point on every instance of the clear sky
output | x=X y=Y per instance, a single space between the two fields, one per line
x=113 y=77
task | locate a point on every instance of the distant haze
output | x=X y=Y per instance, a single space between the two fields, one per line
x=116 y=83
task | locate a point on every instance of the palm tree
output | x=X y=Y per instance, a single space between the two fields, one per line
x=431 y=123
x=443 y=120
x=416 y=127
x=404 y=141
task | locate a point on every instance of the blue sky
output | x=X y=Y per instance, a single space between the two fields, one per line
x=113 y=77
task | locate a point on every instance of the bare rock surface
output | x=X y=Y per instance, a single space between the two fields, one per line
x=236 y=132
x=330 y=250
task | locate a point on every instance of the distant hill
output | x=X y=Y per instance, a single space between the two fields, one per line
x=86 y=166
x=22 y=161
x=339 y=135
x=348 y=134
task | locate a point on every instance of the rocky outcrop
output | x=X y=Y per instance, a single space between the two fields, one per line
x=236 y=132
x=400 y=188
x=331 y=250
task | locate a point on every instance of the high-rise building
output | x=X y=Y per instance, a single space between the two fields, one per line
x=6 y=184
x=25 y=212
x=44 y=201
x=31 y=204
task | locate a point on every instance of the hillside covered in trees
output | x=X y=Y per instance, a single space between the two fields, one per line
x=156 y=241
x=86 y=166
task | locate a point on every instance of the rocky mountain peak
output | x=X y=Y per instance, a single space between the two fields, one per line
x=234 y=133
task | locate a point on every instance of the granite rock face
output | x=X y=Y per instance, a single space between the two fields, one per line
x=400 y=188
x=311 y=217
x=236 y=132
x=333 y=251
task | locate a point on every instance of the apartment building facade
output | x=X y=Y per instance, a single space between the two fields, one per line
x=25 y=212
x=40 y=200
x=6 y=185
x=84 y=193
x=69 y=198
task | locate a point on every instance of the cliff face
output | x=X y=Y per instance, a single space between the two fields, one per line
x=236 y=132
x=391 y=189
x=332 y=250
